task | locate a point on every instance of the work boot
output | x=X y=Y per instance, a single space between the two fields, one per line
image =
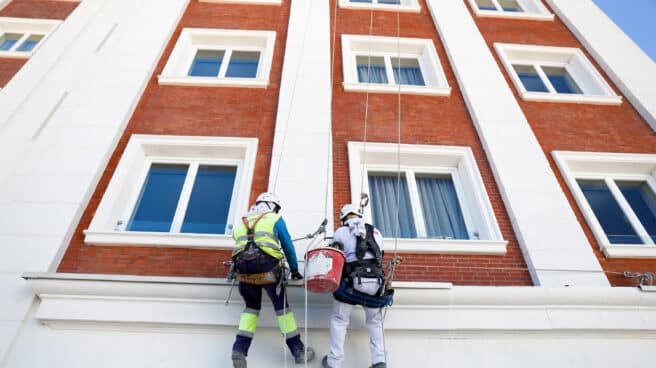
x=324 y=362
x=238 y=359
x=300 y=358
x=379 y=365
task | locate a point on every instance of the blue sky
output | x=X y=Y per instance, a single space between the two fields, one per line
x=637 y=18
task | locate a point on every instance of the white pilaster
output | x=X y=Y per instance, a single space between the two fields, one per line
x=632 y=71
x=554 y=245
x=61 y=117
x=301 y=152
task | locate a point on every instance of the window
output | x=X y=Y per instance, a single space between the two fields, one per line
x=555 y=74
x=385 y=63
x=391 y=5
x=216 y=57
x=20 y=37
x=442 y=203
x=518 y=9
x=175 y=191
x=617 y=195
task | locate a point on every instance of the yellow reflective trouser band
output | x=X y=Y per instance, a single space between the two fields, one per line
x=248 y=323
x=287 y=324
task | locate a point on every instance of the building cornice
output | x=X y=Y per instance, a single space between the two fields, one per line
x=168 y=302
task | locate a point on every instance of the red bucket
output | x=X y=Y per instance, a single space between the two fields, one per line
x=324 y=269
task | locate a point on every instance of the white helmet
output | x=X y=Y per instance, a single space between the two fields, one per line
x=350 y=209
x=270 y=198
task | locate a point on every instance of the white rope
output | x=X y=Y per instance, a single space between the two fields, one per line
x=366 y=103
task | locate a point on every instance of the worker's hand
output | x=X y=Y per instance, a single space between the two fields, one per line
x=297 y=275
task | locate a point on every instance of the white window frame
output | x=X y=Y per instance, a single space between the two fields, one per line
x=27 y=27
x=532 y=10
x=610 y=167
x=407 y=6
x=388 y=47
x=459 y=162
x=193 y=39
x=254 y=2
x=122 y=195
x=589 y=80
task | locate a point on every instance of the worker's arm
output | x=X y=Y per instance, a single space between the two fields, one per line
x=280 y=231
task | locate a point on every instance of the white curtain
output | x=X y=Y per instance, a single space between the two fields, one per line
x=383 y=190
x=442 y=212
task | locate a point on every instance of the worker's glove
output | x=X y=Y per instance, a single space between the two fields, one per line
x=296 y=275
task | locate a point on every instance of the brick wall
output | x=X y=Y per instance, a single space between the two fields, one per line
x=575 y=127
x=424 y=120
x=198 y=111
x=30 y=9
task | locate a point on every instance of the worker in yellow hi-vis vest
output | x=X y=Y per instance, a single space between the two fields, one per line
x=262 y=241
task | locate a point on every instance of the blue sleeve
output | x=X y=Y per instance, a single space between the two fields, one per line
x=280 y=231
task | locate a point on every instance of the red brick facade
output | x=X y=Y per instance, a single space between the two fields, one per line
x=197 y=111
x=424 y=120
x=575 y=127
x=39 y=9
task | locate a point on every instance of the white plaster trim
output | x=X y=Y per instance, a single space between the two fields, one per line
x=27 y=27
x=254 y=2
x=539 y=12
x=406 y=89
x=69 y=300
x=591 y=165
x=193 y=39
x=390 y=47
x=447 y=246
x=206 y=241
x=123 y=190
x=406 y=6
x=594 y=87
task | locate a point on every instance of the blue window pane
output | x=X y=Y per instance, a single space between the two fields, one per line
x=608 y=212
x=530 y=78
x=510 y=5
x=643 y=202
x=8 y=40
x=30 y=43
x=361 y=1
x=407 y=72
x=485 y=5
x=561 y=80
x=371 y=69
x=209 y=204
x=440 y=206
x=396 y=2
x=159 y=198
x=206 y=63
x=383 y=189
x=243 y=64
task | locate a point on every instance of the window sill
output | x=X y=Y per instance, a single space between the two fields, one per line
x=16 y=54
x=212 y=82
x=448 y=246
x=383 y=7
x=629 y=251
x=567 y=98
x=254 y=2
x=388 y=88
x=133 y=238
x=511 y=15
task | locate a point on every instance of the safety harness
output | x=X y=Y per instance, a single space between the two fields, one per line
x=253 y=252
x=365 y=268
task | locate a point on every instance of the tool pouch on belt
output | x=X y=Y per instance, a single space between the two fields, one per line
x=263 y=278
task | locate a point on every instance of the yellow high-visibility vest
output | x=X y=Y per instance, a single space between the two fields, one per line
x=263 y=235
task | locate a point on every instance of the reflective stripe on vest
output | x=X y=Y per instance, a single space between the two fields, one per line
x=263 y=235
